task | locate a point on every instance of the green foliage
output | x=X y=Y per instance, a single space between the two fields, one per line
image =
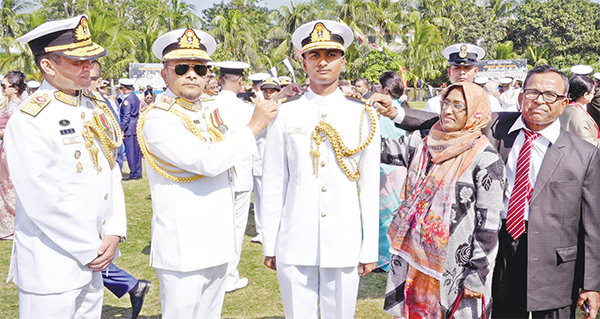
x=412 y=32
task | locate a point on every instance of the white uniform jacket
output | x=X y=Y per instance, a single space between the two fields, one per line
x=238 y=113
x=509 y=100
x=193 y=224
x=64 y=206
x=323 y=219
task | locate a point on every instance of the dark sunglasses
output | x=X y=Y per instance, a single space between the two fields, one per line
x=5 y=86
x=181 y=69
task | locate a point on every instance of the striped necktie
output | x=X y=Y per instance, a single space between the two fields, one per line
x=521 y=193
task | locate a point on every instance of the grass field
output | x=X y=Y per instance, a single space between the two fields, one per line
x=260 y=299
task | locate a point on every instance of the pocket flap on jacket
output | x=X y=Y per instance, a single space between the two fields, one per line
x=566 y=254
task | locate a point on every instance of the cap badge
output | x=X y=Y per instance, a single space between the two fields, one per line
x=82 y=32
x=320 y=33
x=463 y=51
x=189 y=40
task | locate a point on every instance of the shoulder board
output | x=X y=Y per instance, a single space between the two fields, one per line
x=164 y=103
x=93 y=95
x=36 y=104
x=205 y=98
x=289 y=99
x=358 y=100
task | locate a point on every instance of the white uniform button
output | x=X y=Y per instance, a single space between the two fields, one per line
x=322 y=164
x=323 y=189
x=323 y=214
x=105 y=196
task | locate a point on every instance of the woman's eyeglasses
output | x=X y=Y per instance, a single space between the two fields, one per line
x=4 y=86
x=181 y=69
x=455 y=107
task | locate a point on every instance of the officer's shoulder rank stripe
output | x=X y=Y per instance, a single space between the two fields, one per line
x=36 y=104
x=165 y=103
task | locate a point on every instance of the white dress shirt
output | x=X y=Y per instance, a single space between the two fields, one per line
x=538 y=151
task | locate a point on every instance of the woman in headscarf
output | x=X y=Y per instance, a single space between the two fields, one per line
x=13 y=87
x=444 y=237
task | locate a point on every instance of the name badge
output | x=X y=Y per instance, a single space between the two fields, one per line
x=71 y=140
x=297 y=130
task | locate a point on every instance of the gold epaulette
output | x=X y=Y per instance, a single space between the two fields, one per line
x=359 y=100
x=165 y=103
x=206 y=97
x=289 y=99
x=36 y=104
x=93 y=95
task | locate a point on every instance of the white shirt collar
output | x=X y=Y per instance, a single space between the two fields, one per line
x=551 y=132
x=323 y=100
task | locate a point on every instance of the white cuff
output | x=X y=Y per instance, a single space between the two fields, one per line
x=400 y=117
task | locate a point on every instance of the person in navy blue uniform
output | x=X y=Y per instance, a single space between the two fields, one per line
x=117 y=280
x=130 y=109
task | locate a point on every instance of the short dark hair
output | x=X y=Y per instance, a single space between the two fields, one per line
x=361 y=80
x=50 y=55
x=228 y=77
x=393 y=82
x=540 y=69
x=17 y=80
x=343 y=82
x=579 y=85
x=100 y=65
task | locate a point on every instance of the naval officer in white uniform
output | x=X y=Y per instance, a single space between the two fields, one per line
x=70 y=208
x=320 y=214
x=190 y=169
x=462 y=67
x=236 y=112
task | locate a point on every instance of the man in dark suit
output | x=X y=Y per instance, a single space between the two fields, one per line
x=553 y=264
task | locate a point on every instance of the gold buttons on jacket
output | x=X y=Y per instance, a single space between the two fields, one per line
x=322 y=164
x=105 y=196
x=323 y=189
x=323 y=214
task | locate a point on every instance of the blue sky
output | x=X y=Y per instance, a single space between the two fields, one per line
x=272 y=4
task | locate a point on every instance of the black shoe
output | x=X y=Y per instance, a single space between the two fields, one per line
x=137 y=295
x=129 y=178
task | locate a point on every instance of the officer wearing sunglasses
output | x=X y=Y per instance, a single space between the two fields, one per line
x=191 y=151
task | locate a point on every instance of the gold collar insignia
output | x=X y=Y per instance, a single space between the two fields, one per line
x=66 y=98
x=187 y=105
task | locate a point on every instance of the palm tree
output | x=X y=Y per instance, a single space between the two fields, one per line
x=504 y=51
x=12 y=13
x=177 y=14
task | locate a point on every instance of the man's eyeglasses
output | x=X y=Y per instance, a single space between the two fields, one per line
x=455 y=107
x=548 y=96
x=181 y=69
x=4 y=86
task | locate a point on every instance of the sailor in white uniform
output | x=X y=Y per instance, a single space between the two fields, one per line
x=320 y=211
x=462 y=67
x=190 y=169
x=236 y=112
x=70 y=208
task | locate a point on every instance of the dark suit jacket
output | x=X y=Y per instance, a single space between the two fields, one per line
x=594 y=107
x=564 y=215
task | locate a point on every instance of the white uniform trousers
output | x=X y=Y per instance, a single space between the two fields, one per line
x=302 y=287
x=192 y=295
x=82 y=303
x=242 y=209
x=257 y=190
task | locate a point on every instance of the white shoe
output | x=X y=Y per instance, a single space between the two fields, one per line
x=256 y=239
x=241 y=283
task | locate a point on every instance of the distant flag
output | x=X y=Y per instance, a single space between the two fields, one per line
x=288 y=64
x=273 y=72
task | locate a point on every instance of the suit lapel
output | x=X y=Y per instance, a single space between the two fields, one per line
x=551 y=160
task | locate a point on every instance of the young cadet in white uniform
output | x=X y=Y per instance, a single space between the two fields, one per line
x=236 y=112
x=462 y=67
x=320 y=213
x=189 y=168
x=70 y=209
